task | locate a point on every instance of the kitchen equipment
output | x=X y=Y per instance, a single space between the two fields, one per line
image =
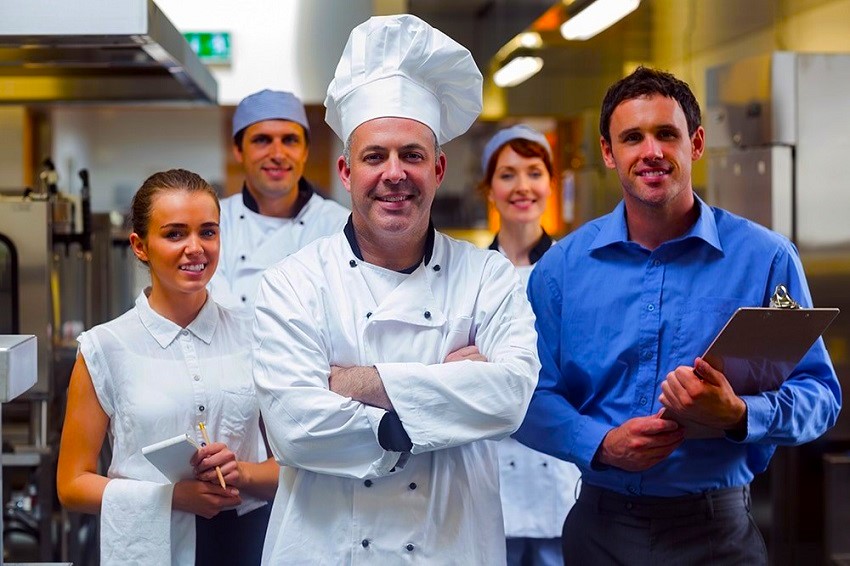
x=60 y=273
x=90 y=50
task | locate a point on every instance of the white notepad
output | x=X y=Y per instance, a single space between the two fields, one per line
x=171 y=457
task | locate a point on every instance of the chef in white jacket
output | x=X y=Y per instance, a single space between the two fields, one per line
x=384 y=356
x=278 y=211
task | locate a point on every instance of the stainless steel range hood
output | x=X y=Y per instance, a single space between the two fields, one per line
x=96 y=51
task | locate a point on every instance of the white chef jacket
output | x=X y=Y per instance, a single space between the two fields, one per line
x=155 y=380
x=537 y=490
x=343 y=499
x=251 y=242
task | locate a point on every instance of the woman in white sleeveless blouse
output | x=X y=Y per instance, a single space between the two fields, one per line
x=174 y=361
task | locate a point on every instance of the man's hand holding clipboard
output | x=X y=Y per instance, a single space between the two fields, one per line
x=756 y=351
x=703 y=395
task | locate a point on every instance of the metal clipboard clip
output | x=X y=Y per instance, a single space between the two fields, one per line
x=782 y=300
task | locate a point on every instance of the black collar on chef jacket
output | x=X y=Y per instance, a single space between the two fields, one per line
x=355 y=247
x=305 y=191
x=540 y=248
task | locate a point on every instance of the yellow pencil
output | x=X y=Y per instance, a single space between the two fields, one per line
x=203 y=428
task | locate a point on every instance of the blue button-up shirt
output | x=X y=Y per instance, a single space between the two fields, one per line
x=613 y=318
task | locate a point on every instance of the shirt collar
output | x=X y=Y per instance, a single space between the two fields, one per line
x=164 y=331
x=355 y=247
x=614 y=230
x=305 y=191
x=540 y=248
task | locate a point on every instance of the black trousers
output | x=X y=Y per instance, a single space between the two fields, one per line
x=228 y=539
x=716 y=527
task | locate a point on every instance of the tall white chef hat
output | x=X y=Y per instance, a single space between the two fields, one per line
x=399 y=66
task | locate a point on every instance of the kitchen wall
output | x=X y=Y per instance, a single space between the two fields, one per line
x=285 y=44
x=122 y=146
x=12 y=147
x=691 y=36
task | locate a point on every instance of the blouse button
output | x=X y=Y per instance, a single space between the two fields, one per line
x=244 y=298
x=196 y=377
x=437 y=267
x=242 y=257
x=241 y=217
x=184 y=332
x=352 y=263
x=368 y=483
x=427 y=314
x=545 y=464
x=412 y=486
x=409 y=547
x=365 y=543
x=201 y=408
x=368 y=314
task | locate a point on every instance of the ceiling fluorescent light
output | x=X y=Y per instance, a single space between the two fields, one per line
x=530 y=40
x=517 y=70
x=599 y=15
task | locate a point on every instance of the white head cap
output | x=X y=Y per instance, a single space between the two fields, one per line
x=399 y=66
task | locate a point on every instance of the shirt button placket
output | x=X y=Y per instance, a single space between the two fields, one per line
x=195 y=372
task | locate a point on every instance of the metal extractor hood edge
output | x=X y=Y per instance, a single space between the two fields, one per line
x=91 y=51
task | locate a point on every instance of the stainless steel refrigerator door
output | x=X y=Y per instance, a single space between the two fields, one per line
x=756 y=183
x=822 y=150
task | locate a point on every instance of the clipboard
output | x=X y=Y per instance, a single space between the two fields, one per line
x=171 y=457
x=759 y=347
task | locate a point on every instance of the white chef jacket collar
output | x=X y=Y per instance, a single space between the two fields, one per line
x=165 y=331
x=355 y=247
x=305 y=193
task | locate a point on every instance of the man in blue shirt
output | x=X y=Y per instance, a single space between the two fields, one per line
x=624 y=305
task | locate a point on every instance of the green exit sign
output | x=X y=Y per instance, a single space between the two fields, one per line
x=210 y=46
